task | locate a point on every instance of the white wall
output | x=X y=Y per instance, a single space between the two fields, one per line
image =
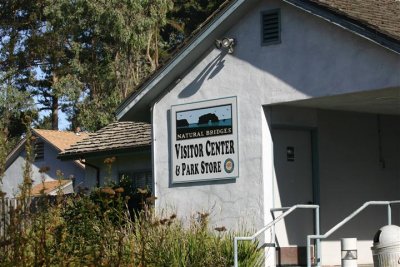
x=315 y=58
x=13 y=176
x=67 y=169
x=350 y=172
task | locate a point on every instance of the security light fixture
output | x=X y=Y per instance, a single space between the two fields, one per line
x=226 y=43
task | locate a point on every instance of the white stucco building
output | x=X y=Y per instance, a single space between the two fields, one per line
x=313 y=91
x=46 y=145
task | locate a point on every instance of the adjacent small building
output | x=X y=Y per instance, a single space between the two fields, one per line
x=52 y=188
x=45 y=166
x=119 y=149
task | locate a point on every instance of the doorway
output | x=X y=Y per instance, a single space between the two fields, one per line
x=295 y=183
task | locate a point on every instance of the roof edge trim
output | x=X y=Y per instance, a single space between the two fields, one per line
x=128 y=150
x=12 y=156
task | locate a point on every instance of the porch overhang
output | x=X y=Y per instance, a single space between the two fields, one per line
x=383 y=101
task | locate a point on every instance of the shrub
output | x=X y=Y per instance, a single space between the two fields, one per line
x=87 y=231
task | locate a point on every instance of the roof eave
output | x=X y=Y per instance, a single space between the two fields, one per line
x=11 y=157
x=107 y=152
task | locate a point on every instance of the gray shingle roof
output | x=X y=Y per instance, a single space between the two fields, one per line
x=382 y=15
x=115 y=137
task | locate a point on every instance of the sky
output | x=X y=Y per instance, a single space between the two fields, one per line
x=63 y=123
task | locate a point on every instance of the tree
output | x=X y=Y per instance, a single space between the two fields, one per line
x=36 y=53
x=185 y=18
x=82 y=56
x=85 y=56
x=113 y=46
x=15 y=105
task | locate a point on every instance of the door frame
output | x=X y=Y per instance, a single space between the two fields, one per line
x=315 y=179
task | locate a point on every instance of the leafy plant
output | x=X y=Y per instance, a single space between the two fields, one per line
x=97 y=230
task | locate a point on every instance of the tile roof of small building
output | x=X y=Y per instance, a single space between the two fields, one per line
x=62 y=140
x=382 y=15
x=48 y=186
x=114 y=137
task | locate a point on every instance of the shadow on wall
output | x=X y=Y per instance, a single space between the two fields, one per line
x=209 y=72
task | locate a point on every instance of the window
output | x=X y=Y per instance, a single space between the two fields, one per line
x=139 y=179
x=39 y=151
x=271 y=27
x=131 y=181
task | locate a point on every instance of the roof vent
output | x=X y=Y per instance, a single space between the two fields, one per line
x=271 y=27
x=39 y=151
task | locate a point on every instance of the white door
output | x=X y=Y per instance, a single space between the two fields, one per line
x=293 y=185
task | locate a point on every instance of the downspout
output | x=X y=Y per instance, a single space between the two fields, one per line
x=94 y=167
x=153 y=160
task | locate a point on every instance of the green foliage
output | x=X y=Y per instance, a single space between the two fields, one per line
x=185 y=18
x=14 y=106
x=82 y=56
x=81 y=231
x=85 y=56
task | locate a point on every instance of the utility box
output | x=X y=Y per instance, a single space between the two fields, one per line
x=386 y=249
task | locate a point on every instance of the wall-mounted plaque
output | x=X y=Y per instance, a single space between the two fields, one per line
x=204 y=141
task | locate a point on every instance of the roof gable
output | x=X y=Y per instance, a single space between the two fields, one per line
x=352 y=18
x=59 y=140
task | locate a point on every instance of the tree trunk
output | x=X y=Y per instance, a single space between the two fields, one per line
x=54 y=113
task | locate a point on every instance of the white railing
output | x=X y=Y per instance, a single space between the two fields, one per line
x=344 y=221
x=287 y=210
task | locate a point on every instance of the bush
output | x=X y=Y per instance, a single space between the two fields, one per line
x=97 y=231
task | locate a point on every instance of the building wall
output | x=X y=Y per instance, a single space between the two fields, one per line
x=13 y=176
x=315 y=58
x=350 y=172
x=110 y=172
x=60 y=169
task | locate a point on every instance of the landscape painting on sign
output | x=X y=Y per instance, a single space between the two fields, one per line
x=204 y=122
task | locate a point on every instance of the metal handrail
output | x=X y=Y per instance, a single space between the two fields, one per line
x=346 y=220
x=269 y=225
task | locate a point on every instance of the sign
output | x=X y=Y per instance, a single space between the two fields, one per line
x=204 y=141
